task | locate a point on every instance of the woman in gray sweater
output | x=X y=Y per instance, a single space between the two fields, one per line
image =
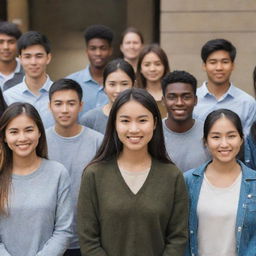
x=133 y=200
x=35 y=204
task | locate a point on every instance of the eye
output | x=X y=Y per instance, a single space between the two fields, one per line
x=124 y=120
x=143 y=120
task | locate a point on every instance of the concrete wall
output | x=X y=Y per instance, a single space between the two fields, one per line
x=187 y=24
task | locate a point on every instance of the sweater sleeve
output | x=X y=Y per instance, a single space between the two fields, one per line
x=87 y=217
x=59 y=241
x=3 y=251
x=177 y=230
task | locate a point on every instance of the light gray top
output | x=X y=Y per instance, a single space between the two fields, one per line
x=186 y=149
x=95 y=119
x=74 y=153
x=40 y=215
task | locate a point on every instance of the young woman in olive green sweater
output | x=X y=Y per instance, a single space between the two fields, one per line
x=133 y=200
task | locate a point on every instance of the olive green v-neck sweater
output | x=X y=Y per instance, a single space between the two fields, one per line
x=113 y=221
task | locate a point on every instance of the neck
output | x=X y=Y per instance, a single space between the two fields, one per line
x=179 y=127
x=97 y=74
x=27 y=165
x=70 y=131
x=134 y=160
x=107 y=108
x=155 y=89
x=218 y=90
x=221 y=168
x=133 y=63
x=35 y=84
x=7 y=68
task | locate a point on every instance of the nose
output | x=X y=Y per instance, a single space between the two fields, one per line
x=179 y=101
x=133 y=127
x=33 y=60
x=64 y=108
x=6 y=45
x=152 y=67
x=22 y=136
x=224 y=142
x=118 y=88
x=219 y=65
x=98 y=52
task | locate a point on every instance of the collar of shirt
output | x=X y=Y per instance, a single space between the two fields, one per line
x=45 y=88
x=86 y=77
x=230 y=92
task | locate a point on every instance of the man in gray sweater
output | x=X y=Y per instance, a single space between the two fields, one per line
x=183 y=134
x=70 y=143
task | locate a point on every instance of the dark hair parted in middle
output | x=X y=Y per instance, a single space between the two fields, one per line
x=155 y=48
x=178 y=76
x=33 y=38
x=117 y=64
x=66 y=84
x=98 y=31
x=218 y=45
x=112 y=146
x=219 y=113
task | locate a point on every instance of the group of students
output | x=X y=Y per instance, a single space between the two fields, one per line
x=113 y=184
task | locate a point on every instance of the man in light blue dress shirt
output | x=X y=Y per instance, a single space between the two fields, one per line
x=34 y=51
x=98 y=40
x=218 y=57
x=11 y=72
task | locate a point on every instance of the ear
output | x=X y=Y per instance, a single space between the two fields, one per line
x=49 y=58
x=121 y=48
x=196 y=100
x=81 y=106
x=204 y=66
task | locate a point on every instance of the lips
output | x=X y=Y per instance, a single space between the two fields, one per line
x=134 y=139
x=23 y=146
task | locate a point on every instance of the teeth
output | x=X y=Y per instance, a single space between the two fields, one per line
x=134 y=139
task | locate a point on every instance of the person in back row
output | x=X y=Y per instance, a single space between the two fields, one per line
x=11 y=72
x=34 y=50
x=98 y=39
x=183 y=134
x=70 y=143
x=218 y=57
x=118 y=76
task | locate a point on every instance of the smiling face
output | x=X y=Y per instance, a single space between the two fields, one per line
x=219 y=67
x=152 y=67
x=180 y=101
x=65 y=106
x=34 y=60
x=135 y=126
x=8 y=48
x=131 y=46
x=224 y=141
x=22 y=136
x=116 y=82
x=99 y=52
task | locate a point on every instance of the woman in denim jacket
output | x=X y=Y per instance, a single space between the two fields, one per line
x=250 y=148
x=222 y=193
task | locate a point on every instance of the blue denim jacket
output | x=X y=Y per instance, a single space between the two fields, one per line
x=250 y=153
x=246 y=213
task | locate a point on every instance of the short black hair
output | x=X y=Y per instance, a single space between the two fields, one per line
x=98 y=31
x=33 y=38
x=10 y=29
x=66 y=84
x=218 y=45
x=178 y=76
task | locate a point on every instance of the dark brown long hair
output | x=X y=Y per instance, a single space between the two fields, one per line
x=112 y=146
x=6 y=156
x=155 y=48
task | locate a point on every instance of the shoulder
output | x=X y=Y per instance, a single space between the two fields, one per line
x=166 y=169
x=91 y=114
x=13 y=90
x=247 y=98
x=55 y=168
x=76 y=74
x=92 y=134
x=49 y=131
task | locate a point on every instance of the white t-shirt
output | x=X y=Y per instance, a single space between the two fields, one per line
x=216 y=211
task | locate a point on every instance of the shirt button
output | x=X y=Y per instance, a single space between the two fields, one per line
x=249 y=196
x=239 y=229
x=191 y=232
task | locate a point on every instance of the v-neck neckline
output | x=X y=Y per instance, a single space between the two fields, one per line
x=125 y=185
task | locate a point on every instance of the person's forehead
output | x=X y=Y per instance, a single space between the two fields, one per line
x=98 y=42
x=179 y=87
x=7 y=37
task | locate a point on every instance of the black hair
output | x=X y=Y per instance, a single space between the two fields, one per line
x=66 y=84
x=112 y=146
x=98 y=31
x=218 y=45
x=10 y=29
x=121 y=64
x=3 y=105
x=33 y=38
x=219 y=113
x=178 y=76
x=131 y=30
x=155 y=48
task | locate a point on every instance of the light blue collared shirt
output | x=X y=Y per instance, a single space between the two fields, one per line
x=234 y=99
x=93 y=93
x=21 y=93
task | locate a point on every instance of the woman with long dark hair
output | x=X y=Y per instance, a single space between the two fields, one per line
x=132 y=198
x=118 y=75
x=35 y=204
x=222 y=193
x=152 y=67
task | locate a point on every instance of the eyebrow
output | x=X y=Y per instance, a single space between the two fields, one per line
x=13 y=128
x=126 y=116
